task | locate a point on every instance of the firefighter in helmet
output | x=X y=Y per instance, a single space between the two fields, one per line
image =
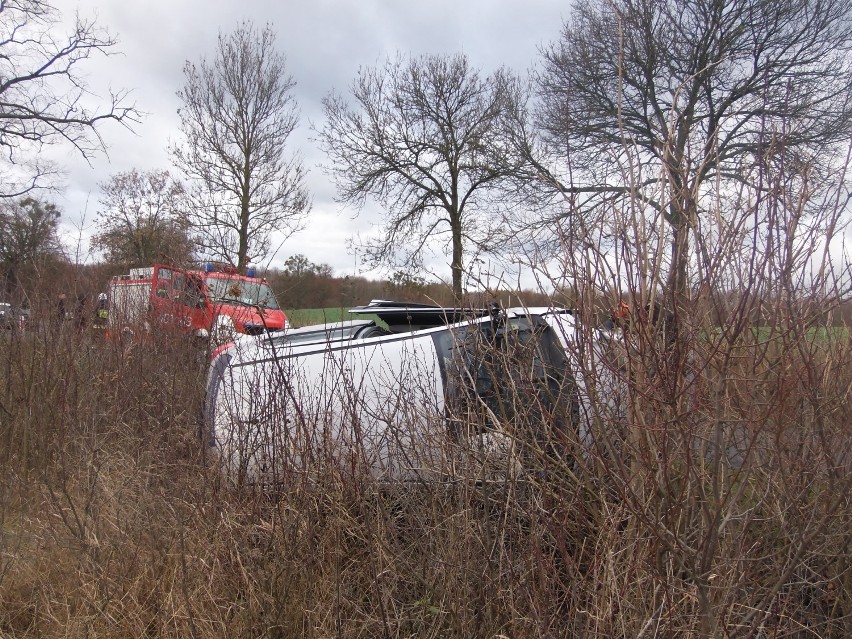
x=101 y=311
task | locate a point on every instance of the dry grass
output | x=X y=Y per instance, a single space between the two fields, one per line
x=115 y=523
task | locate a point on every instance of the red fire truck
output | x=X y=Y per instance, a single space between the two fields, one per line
x=195 y=301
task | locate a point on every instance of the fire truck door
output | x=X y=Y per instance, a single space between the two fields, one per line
x=190 y=291
x=165 y=307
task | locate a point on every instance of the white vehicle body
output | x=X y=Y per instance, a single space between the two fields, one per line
x=366 y=398
x=128 y=302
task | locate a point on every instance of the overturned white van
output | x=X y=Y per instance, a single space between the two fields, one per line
x=423 y=392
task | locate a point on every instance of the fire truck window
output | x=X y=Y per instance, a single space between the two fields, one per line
x=164 y=282
x=177 y=288
x=192 y=294
x=245 y=292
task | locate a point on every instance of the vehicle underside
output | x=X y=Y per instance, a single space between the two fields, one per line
x=400 y=396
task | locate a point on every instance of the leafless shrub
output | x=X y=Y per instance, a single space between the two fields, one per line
x=728 y=457
x=696 y=487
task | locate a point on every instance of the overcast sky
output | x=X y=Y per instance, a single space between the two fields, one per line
x=325 y=42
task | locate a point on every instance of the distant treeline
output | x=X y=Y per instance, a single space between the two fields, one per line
x=320 y=288
x=302 y=284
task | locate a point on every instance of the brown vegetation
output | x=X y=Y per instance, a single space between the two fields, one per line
x=710 y=495
x=711 y=501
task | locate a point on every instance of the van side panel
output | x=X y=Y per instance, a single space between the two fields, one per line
x=375 y=406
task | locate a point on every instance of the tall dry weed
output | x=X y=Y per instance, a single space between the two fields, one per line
x=710 y=497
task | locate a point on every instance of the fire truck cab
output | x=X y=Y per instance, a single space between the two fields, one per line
x=195 y=301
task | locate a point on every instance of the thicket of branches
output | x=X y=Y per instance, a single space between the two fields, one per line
x=28 y=238
x=143 y=220
x=425 y=138
x=709 y=497
x=676 y=102
x=701 y=488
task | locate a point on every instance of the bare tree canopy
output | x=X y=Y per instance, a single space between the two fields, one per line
x=143 y=219
x=300 y=266
x=28 y=231
x=692 y=92
x=425 y=138
x=238 y=113
x=44 y=97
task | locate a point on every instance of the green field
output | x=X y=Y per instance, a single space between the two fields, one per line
x=816 y=334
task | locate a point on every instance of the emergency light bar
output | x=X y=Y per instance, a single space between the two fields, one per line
x=209 y=267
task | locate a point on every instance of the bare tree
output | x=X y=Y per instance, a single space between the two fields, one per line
x=718 y=444
x=44 y=97
x=701 y=143
x=238 y=113
x=425 y=139
x=670 y=101
x=27 y=231
x=143 y=219
x=300 y=266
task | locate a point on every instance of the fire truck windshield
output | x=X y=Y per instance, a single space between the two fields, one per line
x=233 y=290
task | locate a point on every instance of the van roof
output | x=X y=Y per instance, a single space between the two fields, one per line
x=416 y=315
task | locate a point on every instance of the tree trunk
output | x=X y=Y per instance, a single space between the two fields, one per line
x=11 y=280
x=242 y=250
x=675 y=306
x=457 y=264
x=677 y=285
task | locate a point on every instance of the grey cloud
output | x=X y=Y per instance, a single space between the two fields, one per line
x=325 y=42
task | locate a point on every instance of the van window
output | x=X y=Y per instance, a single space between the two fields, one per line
x=501 y=375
